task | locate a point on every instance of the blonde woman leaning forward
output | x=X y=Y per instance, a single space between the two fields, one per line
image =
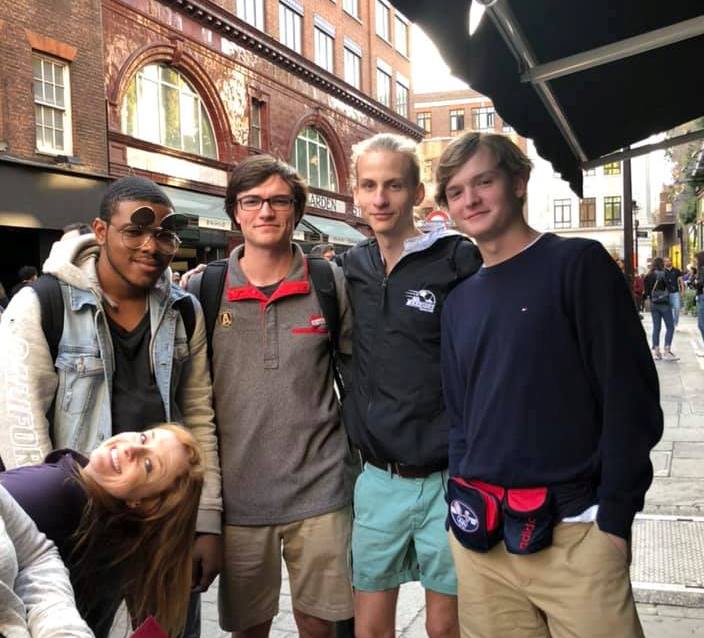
x=123 y=520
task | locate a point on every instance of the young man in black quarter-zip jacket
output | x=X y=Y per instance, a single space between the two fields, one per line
x=393 y=409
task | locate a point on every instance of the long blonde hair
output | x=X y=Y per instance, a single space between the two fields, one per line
x=149 y=546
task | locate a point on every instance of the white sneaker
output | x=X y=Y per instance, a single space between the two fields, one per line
x=699 y=353
x=668 y=356
x=656 y=353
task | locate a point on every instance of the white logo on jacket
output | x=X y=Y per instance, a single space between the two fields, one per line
x=421 y=299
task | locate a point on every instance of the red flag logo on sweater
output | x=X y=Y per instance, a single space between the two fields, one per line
x=316 y=325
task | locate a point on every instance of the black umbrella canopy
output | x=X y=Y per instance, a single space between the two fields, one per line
x=606 y=107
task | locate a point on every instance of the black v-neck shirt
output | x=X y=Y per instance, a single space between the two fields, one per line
x=136 y=400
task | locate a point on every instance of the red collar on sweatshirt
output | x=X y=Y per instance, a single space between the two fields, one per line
x=287 y=288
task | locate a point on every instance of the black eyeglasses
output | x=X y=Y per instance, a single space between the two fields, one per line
x=279 y=203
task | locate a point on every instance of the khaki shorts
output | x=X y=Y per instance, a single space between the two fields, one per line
x=579 y=587
x=317 y=555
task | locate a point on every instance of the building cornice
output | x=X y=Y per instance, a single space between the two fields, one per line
x=244 y=35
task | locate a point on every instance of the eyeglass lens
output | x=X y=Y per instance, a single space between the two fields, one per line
x=137 y=236
x=277 y=202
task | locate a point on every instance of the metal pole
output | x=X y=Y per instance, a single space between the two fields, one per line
x=636 y=223
x=628 y=220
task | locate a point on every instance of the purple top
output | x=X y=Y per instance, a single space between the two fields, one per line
x=51 y=495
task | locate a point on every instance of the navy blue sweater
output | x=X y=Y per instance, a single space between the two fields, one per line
x=548 y=380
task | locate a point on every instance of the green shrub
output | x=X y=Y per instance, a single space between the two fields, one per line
x=689 y=302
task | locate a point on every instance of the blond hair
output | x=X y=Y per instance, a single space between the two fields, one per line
x=511 y=159
x=387 y=142
x=149 y=546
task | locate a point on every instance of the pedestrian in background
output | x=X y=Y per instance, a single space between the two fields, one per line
x=699 y=291
x=326 y=251
x=638 y=292
x=658 y=290
x=26 y=274
x=675 y=288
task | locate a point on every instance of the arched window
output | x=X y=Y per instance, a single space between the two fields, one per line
x=160 y=106
x=313 y=160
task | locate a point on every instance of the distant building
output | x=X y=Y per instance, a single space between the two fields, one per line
x=445 y=115
x=552 y=206
x=179 y=92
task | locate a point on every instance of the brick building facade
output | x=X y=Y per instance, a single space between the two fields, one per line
x=445 y=115
x=34 y=177
x=179 y=91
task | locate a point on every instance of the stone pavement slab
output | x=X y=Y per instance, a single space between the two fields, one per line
x=668 y=560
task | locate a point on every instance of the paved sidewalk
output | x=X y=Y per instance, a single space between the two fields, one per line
x=668 y=540
x=668 y=543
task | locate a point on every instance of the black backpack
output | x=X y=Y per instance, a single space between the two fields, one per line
x=660 y=296
x=48 y=290
x=212 y=284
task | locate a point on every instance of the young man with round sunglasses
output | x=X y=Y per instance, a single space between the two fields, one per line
x=125 y=358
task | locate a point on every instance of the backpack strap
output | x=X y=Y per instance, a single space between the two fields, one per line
x=48 y=290
x=208 y=289
x=188 y=315
x=323 y=279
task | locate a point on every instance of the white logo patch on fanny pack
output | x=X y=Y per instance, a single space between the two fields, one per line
x=421 y=299
x=464 y=516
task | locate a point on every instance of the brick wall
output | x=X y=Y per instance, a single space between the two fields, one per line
x=70 y=28
x=227 y=81
x=361 y=30
x=440 y=104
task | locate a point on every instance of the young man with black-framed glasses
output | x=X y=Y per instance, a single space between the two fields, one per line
x=287 y=486
x=131 y=353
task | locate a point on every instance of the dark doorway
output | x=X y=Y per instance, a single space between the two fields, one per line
x=23 y=247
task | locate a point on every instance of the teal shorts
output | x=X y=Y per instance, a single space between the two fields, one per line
x=399 y=532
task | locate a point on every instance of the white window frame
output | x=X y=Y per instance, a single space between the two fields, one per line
x=43 y=106
x=383 y=76
x=562 y=213
x=401 y=36
x=482 y=115
x=352 y=57
x=252 y=12
x=324 y=43
x=455 y=116
x=421 y=117
x=402 y=88
x=256 y=125
x=291 y=16
x=324 y=49
x=382 y=20
x=351 y=7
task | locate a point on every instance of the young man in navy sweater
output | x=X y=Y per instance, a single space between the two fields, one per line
x=554 y=406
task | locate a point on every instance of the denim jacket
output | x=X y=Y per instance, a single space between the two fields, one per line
x=79 y=382
x=85 y=364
